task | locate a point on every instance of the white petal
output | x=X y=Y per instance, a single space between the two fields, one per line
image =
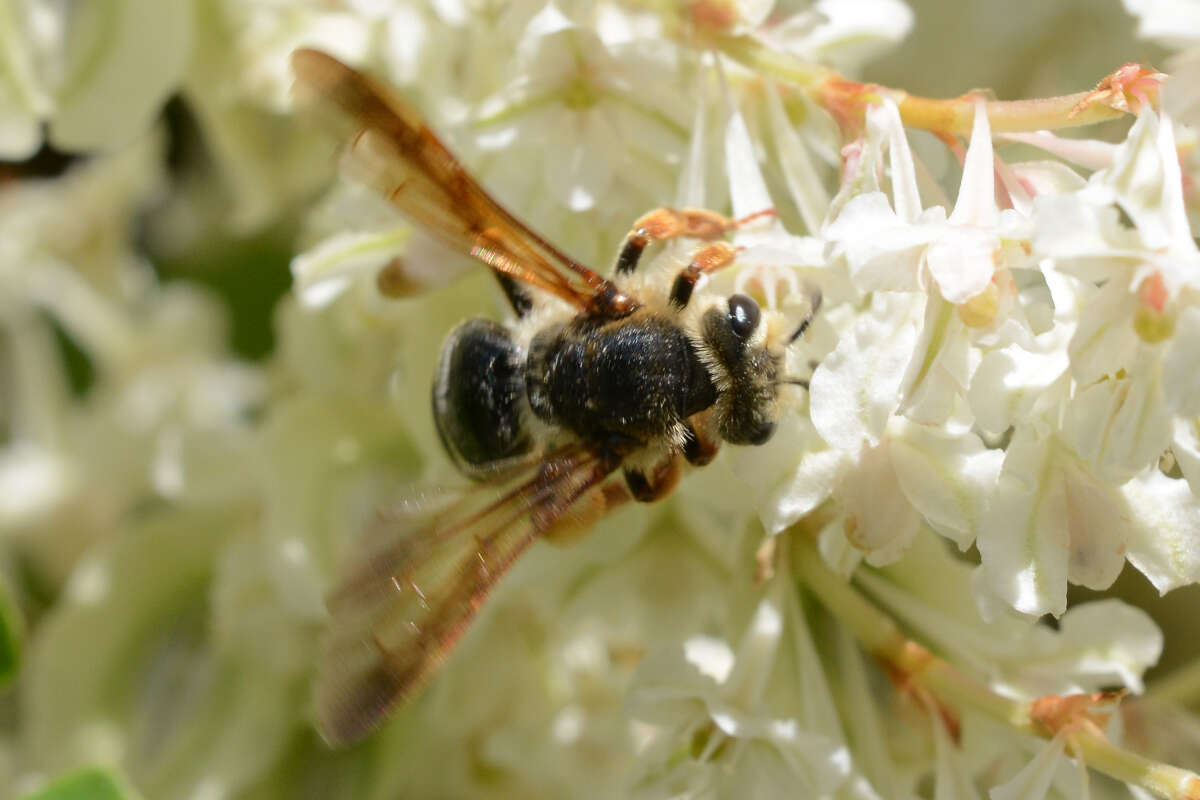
x=1023 y=539
x=1145 y=176
x=1174 y=23
x=690 y=193
x=755 y=655
x=1098 y=522
x=20 y=134
x=33 y=481
x=24 y=95
x=962 y=261
x=580 y=157
x=856 y=387
x=1120 y=425
x=712 y=657
x=1181 y=365
x=1103 y=643
x=753 y=13
x=747 y=189
x=547 y=22
x=1186 y=447
x=879 y=519
x=1104 y=342
x=1180 y=96
x=1008 y=382
x=1087 y=153
x=820 y=712
x=882 y=251
x=708 y=511
x=976 y=204
x=99 y=325
x=947 y=478
x=1084 y=236
x=108 y=101
x=864 y=719
x=1173 y=210
x=406 y=32
x=905 y=194
x=836 y=551
x=785 y=760
x=322 y=272
x=936 y=379
x=851 y=32
x=795 y=487
x=1032 y=782
x=804 y=184
x=1047 y=177
x=1164 y=543
x=951 y=778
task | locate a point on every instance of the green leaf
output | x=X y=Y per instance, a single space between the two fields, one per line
x=10 y=637
x=89 y=783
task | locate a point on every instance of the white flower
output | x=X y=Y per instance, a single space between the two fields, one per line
x=90 y=72
x=842 y=34
x=1176 y=25
x=1133 y=351
x=906 y=249
x=363 y=240
x=1097 y=645
x=603 y=120
x=713 y=710
x=891 y=392
x=1013 y=369
x=1034 y=780
x=1051 y=521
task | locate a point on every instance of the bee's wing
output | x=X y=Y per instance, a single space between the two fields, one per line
x=396 y=153
x=399 y=611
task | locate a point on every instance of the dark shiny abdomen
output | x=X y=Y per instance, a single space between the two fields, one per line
x=633 y=379
x=478 y=397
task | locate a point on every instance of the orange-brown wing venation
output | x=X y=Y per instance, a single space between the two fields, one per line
x=396 y=153
x=399 y=612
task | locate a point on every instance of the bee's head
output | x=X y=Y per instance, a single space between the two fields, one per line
x=745 y=355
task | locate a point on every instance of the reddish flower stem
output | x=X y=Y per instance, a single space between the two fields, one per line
x=1121 y=92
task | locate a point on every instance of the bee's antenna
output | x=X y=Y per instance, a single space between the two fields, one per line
x=815 y=304
x=794 y=381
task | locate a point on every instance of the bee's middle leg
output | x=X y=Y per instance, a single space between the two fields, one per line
x=661 y=480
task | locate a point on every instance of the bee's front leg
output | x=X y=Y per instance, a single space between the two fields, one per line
x=709 y=258
x=699 y=447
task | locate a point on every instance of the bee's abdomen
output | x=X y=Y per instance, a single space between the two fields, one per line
x=478 y=397
x=636 y=379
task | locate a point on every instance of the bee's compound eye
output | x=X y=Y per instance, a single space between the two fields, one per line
x=743 y=315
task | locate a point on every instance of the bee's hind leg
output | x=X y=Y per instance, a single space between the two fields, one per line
x=515 y=293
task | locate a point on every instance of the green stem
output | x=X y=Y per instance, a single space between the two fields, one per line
x=881 y=636
x=1163 y=780
x=749 y=52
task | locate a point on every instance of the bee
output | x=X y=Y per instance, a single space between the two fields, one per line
x=598 y=393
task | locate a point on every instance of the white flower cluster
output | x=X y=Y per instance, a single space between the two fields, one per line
x=1014 y=377
x=1013 y=370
